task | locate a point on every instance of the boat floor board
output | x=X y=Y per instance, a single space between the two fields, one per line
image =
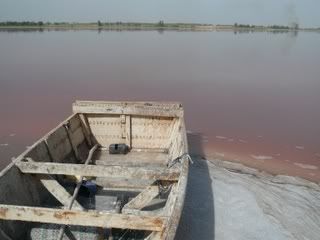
x=132 y=157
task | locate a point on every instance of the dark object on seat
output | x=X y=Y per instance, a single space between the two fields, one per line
x=120 y=148
x=88 y=189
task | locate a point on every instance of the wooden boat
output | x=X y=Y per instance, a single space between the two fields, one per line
x=68 y=185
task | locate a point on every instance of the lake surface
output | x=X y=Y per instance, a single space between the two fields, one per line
x=248 y=97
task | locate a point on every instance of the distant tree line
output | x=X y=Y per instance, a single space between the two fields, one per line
x=100 y=24
x=25 y=23
x=292 y=26
x=279 y=27
x=132 y=24
x=160 y=24
x=236 y=25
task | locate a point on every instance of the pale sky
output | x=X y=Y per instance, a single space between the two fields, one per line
x=306 y=12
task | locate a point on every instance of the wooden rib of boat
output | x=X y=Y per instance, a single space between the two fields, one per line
x=68 y=185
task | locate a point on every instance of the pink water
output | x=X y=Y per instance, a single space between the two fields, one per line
x=252 y=98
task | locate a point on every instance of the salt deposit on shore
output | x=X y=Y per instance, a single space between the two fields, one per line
x=227 y=201
x=306 y=166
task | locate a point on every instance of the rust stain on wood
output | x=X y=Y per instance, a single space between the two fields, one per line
x=63 y=215
x=3 y=212
x=158 y=222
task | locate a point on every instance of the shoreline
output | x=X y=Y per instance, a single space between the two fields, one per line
x=240 y=168
x=149 y=27
x=261 y=167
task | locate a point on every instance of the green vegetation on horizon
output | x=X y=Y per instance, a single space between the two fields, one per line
x=161 y=25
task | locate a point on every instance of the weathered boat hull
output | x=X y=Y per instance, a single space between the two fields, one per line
x=138 y=195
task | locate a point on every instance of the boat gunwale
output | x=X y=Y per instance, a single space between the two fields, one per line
x=152 y=108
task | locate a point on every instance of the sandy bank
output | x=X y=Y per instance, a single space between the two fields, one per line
x=228 y=201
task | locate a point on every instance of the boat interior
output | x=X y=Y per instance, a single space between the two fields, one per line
x=71 y=185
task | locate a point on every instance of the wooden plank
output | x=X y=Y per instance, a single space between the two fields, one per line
x=174 y=132
x=133 y=156
x=128 y=130
x=147 y=150
x=48 y=150
x=58 y=191
x=133 y=163
x=150 y=150
x=81 y=218
x=174 y=207
x=106 y=129
x=58 y=144
x=98 y=170
x=123 y=184
x=171 y=200
x=153 y=213
x=86 y=129
x=123 y=125
x=129 y=108
x=55 y=188
x=150 y=131
x=142 y=199
x=76 y=130
x=74 y=147
x=40 y=152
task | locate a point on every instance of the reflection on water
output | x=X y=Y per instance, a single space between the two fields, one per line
x=253 y=97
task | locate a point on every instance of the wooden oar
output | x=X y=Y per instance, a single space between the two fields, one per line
x=76 y=190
